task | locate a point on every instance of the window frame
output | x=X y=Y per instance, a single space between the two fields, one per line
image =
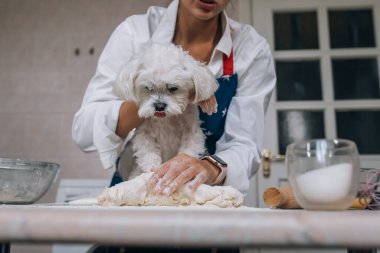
x=262 y=19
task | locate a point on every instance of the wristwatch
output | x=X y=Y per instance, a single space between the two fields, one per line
x=218 y=162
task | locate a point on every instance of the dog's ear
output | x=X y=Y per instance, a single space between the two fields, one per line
x=205 y=83
x=125 y=80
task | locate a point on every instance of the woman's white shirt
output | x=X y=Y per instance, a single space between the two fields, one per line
x=241 y=144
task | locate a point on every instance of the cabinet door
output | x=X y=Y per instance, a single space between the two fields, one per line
x=327 y=58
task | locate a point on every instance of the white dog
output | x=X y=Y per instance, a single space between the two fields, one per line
x=161 y=79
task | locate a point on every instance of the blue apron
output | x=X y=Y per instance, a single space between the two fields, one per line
x=212 y=125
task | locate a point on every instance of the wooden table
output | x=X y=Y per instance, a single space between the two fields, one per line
x=190 y=226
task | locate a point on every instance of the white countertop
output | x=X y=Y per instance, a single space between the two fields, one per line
x=189 y=226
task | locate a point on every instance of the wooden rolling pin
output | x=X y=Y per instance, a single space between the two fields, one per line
x=283 y=198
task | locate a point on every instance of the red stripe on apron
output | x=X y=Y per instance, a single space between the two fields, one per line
x=228 y=64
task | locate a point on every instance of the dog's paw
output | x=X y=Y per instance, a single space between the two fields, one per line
x=209 y=106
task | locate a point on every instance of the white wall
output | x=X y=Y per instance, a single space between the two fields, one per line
x=42 y=81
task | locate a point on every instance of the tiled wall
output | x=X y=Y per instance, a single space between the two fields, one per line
x=42 y=81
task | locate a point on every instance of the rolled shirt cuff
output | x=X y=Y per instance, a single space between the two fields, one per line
x=108 y=144
x=241 y=165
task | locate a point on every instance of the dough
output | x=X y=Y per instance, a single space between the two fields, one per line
x=136 y=192
x=84 y=202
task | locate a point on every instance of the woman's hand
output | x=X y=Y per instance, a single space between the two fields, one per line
x=174 y=173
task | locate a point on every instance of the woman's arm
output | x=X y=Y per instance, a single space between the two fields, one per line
x=241 y=144
x=128 y=119
x=103 y=119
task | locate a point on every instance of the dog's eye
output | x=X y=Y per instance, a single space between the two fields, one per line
x=149 y=88
x=172 y=88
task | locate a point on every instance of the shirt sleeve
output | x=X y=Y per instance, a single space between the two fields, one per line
x=241 y=144
x=95 y=123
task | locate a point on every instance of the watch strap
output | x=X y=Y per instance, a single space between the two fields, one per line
x=219 y=163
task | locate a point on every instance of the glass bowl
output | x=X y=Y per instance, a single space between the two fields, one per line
x=25 y=181
x=323 y=174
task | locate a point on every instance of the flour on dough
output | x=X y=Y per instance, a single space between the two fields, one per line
x=136 y=192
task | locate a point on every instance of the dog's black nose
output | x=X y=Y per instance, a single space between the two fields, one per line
x=159 y=106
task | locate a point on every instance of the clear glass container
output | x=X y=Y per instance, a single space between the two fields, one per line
x=25 y=181
x=323 y=174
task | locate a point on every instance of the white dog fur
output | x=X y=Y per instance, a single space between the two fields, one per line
x=160 y=78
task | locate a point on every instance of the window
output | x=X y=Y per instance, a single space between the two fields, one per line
x=327 y=64
x=296 y=30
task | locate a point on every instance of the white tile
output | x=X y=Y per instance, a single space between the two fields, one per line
x=84 y=63
x=17 y=51
x=12 y=135
x=50 y=52
x=42 y=135
x=67 y=147
x=88 y=166
x=46 y=93
x=74 y=93
x=5 y=88
x=42 y=82
x=37 y=93
x=14 y=97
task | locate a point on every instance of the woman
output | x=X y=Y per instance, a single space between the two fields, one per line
x=234 y=52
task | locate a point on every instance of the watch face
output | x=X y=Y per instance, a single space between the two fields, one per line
x=219 y=160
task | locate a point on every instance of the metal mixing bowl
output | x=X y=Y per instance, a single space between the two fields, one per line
x=25 y=181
